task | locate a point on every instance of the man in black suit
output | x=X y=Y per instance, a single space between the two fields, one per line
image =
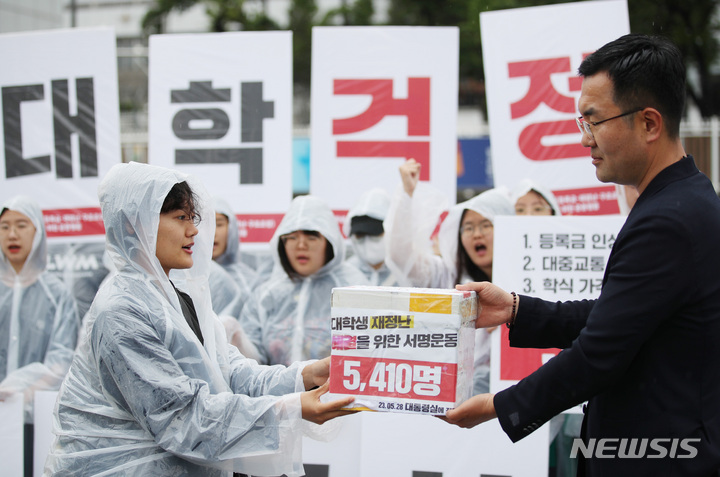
x=646 y=353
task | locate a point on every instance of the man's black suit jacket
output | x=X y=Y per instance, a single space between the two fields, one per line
x=646 y=353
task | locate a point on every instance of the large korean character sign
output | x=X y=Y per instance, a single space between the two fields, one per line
x=531 y=57
x=221 y=109
x=60 y=124
x=380 y=96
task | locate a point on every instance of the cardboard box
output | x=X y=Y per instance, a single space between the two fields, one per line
x=402 y=349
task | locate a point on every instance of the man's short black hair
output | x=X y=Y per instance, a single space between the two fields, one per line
x=646 y=71
x=181 y=197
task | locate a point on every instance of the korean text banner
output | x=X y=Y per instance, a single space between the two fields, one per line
x=60 y=123
x=382 y=95
x=220 y=108
x=554 y=258
x=531 y=56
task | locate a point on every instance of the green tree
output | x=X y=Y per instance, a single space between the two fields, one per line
x=465 y=14
x=350 y=14
x=694 y=27
x=427 y=12
x=154 y=19
x=223 y=15
x=301 y=16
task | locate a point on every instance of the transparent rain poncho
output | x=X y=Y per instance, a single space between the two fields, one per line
x=289 y=319
x=242 y=273
x=489 y=204
x=224 y=292
x=410 y=222
x=143 y=396
x=237 y=275
x=38 y=318
x=527 y=185
x=373 y=203
x=80 y=267
x=424 y=269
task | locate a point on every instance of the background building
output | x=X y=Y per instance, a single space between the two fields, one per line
x=698 y=40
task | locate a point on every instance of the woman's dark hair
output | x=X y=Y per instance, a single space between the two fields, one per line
x=463 y=262
x=181 y=197
x=285 y=262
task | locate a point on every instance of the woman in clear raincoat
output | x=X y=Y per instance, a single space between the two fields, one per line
x=224 y=292
x=289 y=316
x=465 y=242
x=226 y=249
x=363 y=225
x=465 y=239
x=226 y=256
x=39 y=324
x=531 y=198
x=154 y=390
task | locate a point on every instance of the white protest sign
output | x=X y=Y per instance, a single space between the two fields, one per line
x=554 y=258
x=60 y=123
x=11 y=435
x=220 y=108
x=393 y=444
x=382 y=95
x=42 y=433
x=531 y=56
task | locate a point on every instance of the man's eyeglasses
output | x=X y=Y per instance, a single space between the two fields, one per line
x=584 y=126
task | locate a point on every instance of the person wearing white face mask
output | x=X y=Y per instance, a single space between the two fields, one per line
x=365 y=224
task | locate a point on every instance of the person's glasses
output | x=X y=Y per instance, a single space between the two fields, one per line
x=293 y=240
x=469 y=229
x=584 y=126
x=19 y=227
